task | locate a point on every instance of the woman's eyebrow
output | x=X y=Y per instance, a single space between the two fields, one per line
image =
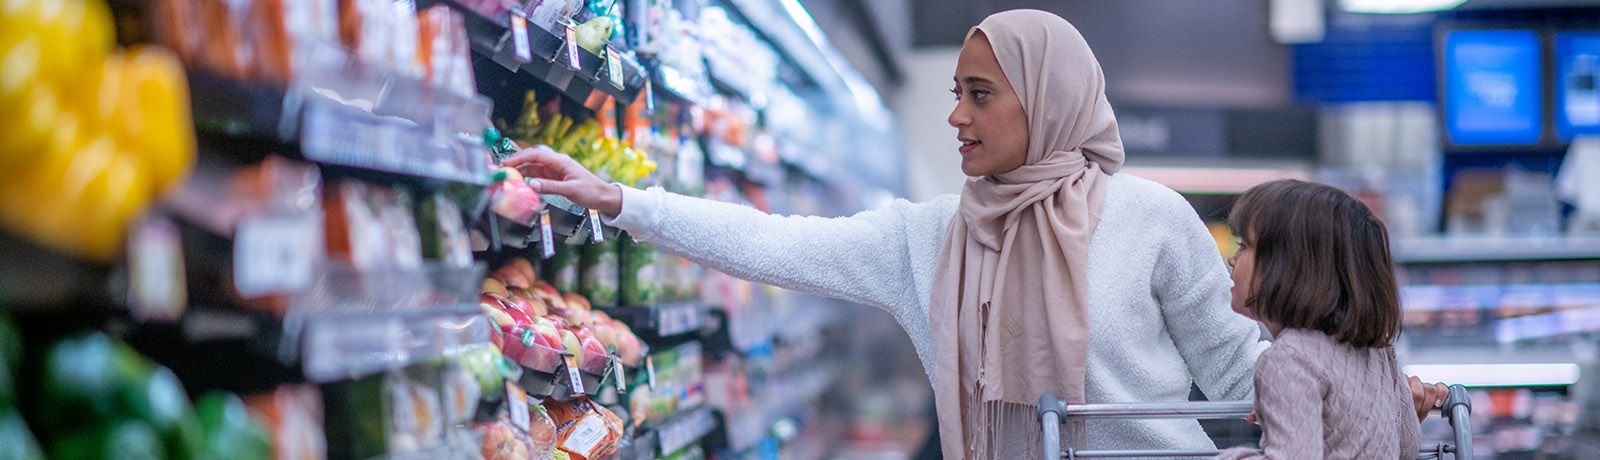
x=975 y=80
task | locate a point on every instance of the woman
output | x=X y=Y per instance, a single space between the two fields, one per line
x=1048 y=273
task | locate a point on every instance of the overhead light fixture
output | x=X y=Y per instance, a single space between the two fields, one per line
x=1398 y=6
x=1497 y=375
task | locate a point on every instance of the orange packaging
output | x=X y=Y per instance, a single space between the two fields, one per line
x=220 y=50
x=269 y=38
x=584 y=430
x=293 y=414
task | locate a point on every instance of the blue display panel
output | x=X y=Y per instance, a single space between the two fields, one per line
x=1493 y=87
x=1577 y=108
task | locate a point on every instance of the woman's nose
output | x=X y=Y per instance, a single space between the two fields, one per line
x=958 y=117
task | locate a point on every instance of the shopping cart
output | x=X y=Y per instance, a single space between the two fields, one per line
x=1457 y=409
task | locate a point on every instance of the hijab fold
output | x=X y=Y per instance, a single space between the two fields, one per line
x=1011 y=296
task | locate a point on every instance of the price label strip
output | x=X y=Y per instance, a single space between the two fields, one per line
x=622 y=378
x=649 y=99
x=614 y=66
x=272 y=255
x=519 y=36
x=574 y=377
x=547 y=242
x=572 y=49
x=156 y=270
x=518 y=400
x=650 y=371
x=599 y=235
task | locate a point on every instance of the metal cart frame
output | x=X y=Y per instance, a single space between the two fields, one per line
x=1457 y=409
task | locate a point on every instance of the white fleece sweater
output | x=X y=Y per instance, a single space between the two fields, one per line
x=1159 y=315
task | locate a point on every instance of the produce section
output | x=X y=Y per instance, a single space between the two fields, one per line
x=280 y=229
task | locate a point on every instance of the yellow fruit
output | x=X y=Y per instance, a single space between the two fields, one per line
x=74 y=34
x=16 y=15
x=152 y=113
x=19 y=66
x=79 y=201
x=27 y=125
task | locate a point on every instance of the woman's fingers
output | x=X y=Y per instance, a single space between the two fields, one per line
x=1421 y=397
x=537 y=156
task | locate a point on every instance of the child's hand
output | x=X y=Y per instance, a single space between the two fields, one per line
x=1426 y=397
x=1251 y=417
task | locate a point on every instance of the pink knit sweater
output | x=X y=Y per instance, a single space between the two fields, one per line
x=1319 y=399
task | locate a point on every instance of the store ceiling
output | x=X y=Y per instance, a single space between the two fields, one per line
x=1213 y=52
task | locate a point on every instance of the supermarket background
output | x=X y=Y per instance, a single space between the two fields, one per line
x=253 y=229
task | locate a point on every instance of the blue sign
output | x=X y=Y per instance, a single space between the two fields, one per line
x=1493 y=87
x=1577 y=98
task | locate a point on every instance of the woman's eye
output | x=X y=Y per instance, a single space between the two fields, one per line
x=980 y=94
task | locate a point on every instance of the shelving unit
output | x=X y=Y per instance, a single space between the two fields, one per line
x=292 y=241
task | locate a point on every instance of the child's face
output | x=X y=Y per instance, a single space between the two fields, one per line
x=1242 y=263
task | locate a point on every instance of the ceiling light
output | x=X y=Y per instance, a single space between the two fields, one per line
x=1398 y=6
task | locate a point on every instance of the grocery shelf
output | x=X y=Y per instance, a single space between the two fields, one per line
x=569 y=224
x=1494 y=249
x=345 y=114
x=670 y=81
x=660 y=321
x=677 y=432
x=491 y=38
x=743 y=429
x=344 y=346
x=36 y=279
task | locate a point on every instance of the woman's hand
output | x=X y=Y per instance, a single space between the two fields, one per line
x=1426 y=397
x=556 y=173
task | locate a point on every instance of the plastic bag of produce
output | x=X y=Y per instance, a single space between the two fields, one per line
x=599 y=273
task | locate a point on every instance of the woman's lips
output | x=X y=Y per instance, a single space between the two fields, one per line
x=967 y=146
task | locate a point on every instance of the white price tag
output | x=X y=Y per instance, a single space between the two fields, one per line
x=594 y=227
x=572 y=48
x=402 y=410
x=272 y=255
x=650 y=371
x=519 y=36
x=649 y=98
x=547 y=242
x=155 y=261
x=575 y=378
x=622 y=378
x=518 y=400
x=587 y=435
x=614 y=66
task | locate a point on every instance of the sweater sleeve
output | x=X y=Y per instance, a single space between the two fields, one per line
x=1192 y=286
x=863 y=258
x=1289 y=408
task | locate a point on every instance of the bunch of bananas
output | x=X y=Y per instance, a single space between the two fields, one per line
x=91 y=134
x=586 y=142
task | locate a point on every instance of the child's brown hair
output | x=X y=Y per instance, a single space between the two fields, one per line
x=1321 y=262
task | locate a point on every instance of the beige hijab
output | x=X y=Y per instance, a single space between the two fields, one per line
x=1011 y=298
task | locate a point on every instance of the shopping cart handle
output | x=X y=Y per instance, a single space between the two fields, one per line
x=1458 y=409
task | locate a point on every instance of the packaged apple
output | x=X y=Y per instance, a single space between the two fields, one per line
x=541 y=432
x=502 y=442
x=515 y=200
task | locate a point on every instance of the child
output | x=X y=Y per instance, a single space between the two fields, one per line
x=1313 y=266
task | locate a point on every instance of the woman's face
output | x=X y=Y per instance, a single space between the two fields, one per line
x=989 y=120
x=1242 y=264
